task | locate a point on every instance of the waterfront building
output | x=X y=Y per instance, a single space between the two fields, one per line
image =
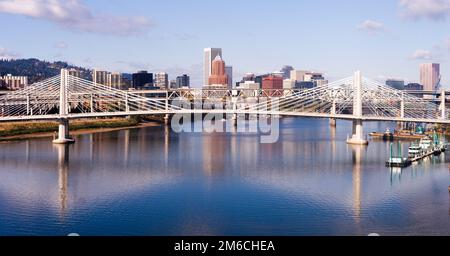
x=142 y=79
x=209 y=54
x=248 y=77
x=278 y=74
x=218 y=77
x=321 y=82
x=304 y=85
x=99 y=77
x=298 y=75
x=413 y=87
x=396 y=83
x=183 y=81
x=14 y=82
x=272 y=82
x=161 y=80
x=173 y=84
x=114 y=80
x=259 y=79
x=75 y=72
x=430 y=76
x=288 y=84
x=316 y=78
x=249 y=85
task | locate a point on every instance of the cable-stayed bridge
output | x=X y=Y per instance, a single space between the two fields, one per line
x=356 y=98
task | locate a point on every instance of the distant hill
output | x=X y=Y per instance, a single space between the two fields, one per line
x=37 y=70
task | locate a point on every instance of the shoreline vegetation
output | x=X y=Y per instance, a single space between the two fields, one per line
x=24 y=130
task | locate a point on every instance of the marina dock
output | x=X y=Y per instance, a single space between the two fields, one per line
x=416 y=153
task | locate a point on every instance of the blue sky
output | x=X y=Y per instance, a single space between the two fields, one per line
x=382 y=38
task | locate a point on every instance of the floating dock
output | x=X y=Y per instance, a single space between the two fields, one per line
x=394 y=136
x=400 y=161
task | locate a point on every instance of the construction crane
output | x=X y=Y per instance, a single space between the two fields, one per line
x=438 y=83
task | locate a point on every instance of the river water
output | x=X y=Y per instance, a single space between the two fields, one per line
x=152 y=181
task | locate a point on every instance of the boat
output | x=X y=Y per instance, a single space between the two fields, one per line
x=415 y=150
x=397 y=135
x=426 y=143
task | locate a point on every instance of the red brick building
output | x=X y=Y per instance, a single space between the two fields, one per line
x=218 y=75
x=272 y=83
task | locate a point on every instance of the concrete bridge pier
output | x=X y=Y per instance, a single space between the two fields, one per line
x=333 y=122
x=234 y=119
x=63 y=132
x=166 y=119
x=357 y=134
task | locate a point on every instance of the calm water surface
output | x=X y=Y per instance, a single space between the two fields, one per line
x=151 y=181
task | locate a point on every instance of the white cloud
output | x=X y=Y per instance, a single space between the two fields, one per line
x=422 y=55
x=6 y=54
x=431 y=9
x=74 y=15
x=371 y=26
x=61 y=45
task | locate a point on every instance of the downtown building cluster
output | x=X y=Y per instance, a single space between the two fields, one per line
x=430 y=79
x=141 y=80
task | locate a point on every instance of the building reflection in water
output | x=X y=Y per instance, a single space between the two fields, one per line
x=63 y=169
x=215 y=149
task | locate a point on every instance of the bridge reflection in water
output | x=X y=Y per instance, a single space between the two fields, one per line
x=155 y=181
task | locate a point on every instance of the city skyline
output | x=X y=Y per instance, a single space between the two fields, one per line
x=383 y=39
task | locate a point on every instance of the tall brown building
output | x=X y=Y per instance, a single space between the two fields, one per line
x=218 y=75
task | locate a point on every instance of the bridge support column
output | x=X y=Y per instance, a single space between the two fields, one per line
x=63 y=129
x=166 y=119
x=166 y=106
x=333 y=113
x=358 y=133
x=333 y=122
x=234 y=118
x=63 y=132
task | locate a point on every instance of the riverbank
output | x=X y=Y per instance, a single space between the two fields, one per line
x=25 y=130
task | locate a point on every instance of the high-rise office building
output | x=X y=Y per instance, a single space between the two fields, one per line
x=430 y=76
x=114 y=80
x=229 y=73
x=287 y=71
x=173 y=84
x=209 y=54
x=183 y=81
x=99 y=77
x=396 y=84
x=162 y=80
x=218 y=77
x=14 y=82
x=142 y=79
